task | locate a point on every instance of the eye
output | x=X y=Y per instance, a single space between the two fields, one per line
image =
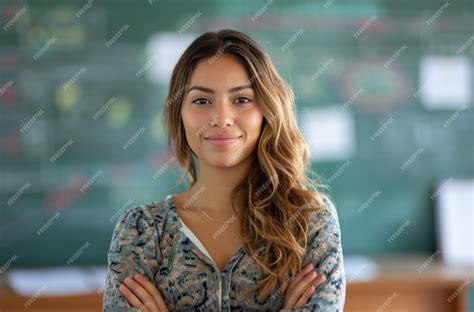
x=243 y=100
x=200 y=101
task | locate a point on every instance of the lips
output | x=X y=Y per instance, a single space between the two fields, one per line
x=222 y=137
x=222 y=140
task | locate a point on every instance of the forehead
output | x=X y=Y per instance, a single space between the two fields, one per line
x=221 y=73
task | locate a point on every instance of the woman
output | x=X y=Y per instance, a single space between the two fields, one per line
x=248 y=234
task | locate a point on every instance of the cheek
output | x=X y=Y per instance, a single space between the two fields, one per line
x=252 y=123
x=192 y=122
x=194 y=126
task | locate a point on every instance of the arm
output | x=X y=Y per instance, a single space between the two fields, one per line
x=133 y=249
x=325 y=252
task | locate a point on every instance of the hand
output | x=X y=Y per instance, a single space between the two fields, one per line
x=142 y=294
x=302 y=288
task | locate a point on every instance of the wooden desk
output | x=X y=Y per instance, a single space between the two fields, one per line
x=10 y=302
x=398 y=286
x=13 y=302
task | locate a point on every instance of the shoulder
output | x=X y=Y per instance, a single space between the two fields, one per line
x=144 y=218
x=327 y=213
x=329 y=210
x=325 y=223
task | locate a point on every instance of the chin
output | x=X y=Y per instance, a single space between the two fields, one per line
x=223 y=162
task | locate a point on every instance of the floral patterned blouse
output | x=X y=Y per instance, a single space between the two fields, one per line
x=152 y=240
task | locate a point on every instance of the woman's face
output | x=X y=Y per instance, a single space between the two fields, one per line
x=221 y=114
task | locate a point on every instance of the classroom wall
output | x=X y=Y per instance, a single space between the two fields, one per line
x=80 y=128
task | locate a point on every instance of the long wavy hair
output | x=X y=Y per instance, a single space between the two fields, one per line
x=276 y=197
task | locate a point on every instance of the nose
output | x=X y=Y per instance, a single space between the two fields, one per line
x=222 y=115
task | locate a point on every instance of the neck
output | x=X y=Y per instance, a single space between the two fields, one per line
x=213 y=188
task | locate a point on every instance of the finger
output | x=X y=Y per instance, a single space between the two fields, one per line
x=151 y=289
x=141 y=294
x=299 y=287
x=131 y=298
x=318 y=281
x=306 y=270
x=304 y=297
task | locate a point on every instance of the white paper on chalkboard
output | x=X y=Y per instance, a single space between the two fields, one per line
x=455 y=221
x=163 y=51
x=329 y=133
x=445 y=82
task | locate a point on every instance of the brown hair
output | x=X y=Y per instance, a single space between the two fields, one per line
x=273 y=200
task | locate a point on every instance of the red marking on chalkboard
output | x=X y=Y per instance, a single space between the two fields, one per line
x=10 y=144
x=8 y=97
x=162 y=158
x=8 y=60
x=60 y=199
x=9 y=11
x=120 y=174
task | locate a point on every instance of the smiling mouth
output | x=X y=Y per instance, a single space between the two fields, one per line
x=223 y=142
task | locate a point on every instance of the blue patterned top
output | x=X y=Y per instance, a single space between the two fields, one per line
x=150 y=240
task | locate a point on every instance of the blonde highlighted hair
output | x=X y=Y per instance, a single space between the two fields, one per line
x=276 y=197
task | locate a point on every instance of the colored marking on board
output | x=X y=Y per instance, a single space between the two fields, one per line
x=8 y=93
x=120 y=174
x=67 y=99
x=10 y=144
x=62 y=198
x=162 y=158
x=8 y=60
x=385 y=89
x=119 y=114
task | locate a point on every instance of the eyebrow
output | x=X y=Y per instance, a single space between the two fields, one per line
x=239 y=88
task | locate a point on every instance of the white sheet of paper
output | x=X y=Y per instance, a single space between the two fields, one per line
x=359 y=268
x=329 y=133
x=163 y=52
x=61 y=281
x=445 y=82
x=455 y=218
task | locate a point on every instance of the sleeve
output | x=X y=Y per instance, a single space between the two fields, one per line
x=325 y=252
x=133 y=249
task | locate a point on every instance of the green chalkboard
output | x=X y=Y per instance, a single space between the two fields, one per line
x=80 y=127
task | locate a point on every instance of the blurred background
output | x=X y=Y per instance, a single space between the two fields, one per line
x=384 y=99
